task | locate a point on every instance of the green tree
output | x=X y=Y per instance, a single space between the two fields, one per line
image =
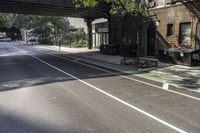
x=76 y=38
x=5 y=20
x=132 y=8
x=22 y=21
x=40 y=27
x=44 y=27
x=58 y=25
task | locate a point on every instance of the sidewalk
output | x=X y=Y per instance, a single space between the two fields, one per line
x=182 y=76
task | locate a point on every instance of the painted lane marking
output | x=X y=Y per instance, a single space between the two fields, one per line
x=111 y=96
x=164 y=87
x=126 y=77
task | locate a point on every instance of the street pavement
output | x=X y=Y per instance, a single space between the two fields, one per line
x=46 y=92
x=177 y=75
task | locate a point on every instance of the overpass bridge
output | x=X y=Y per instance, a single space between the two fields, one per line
x=56 y=8
x=52 y=8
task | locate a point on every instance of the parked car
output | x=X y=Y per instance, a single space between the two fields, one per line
x=5 y=39
x=32 y=41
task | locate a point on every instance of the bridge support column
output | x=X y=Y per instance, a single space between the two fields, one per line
x=89 y=28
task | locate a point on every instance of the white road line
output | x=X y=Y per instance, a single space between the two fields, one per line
x=111 y=96
x=126 y=77
x=165 y=86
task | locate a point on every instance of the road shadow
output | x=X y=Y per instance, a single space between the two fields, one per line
x=188 y=77
x=22 y=71
x=15 y=123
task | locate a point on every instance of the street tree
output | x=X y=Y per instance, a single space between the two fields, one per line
x=5 y=20
x=133 y=8
x=44 y=27
x=123 y=7
x=58 y=25
x=48 y=26
x=40 y=27
x=22 y=21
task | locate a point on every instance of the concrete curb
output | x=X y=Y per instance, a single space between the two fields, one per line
x=130 y=70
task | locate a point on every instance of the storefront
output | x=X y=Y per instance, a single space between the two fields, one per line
x=100 y=34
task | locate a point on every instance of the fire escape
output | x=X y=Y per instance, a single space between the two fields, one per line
x=152 y=15
x=193 y=6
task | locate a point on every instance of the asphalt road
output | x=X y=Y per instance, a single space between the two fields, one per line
x=44 y=92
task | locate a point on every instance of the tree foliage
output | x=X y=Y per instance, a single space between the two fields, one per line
x=76 y=38
x=122 y=7
x=22 y=21
x=86 y=3
x=44 y=27
x=77 y=35
x=135 y=8
x=5 y=20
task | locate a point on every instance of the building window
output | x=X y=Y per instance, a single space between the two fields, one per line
x=170 y=29
x=185 y=33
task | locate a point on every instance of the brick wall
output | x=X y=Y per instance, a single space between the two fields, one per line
x=175 y=15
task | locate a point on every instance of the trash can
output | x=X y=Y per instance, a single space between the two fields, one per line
x=195 y=58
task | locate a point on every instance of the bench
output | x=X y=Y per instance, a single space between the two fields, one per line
x=149 y=61
x=153 y=62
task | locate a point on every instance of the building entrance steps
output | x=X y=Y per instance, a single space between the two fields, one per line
x=177 y=75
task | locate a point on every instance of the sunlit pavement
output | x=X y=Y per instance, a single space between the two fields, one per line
x=45 y=92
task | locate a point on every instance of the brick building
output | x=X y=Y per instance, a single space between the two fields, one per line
x=173 y=27
x=177 y=24
x=176 y=27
